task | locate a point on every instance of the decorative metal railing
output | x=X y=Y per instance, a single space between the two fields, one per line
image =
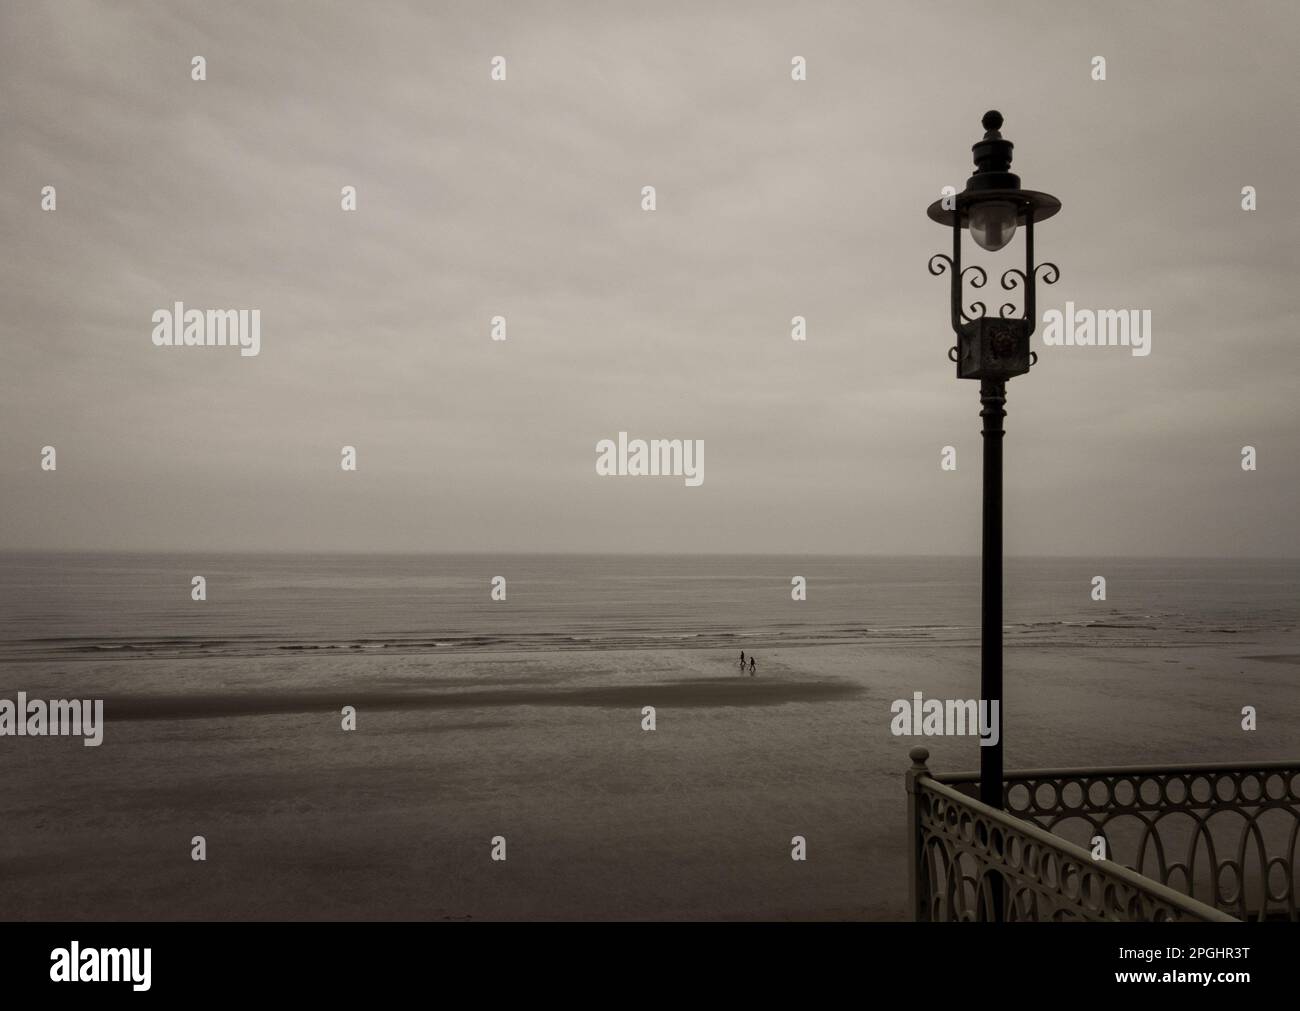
x=1224 y=833
x=1204 y=842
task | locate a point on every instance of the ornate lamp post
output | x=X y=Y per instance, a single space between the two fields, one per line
x=993 y=349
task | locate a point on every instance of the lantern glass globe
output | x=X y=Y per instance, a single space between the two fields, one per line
x=993 y=223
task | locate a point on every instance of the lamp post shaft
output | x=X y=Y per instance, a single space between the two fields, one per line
x=993 y=398
x=993 y=349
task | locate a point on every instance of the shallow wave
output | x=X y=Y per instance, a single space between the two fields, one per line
x=1045 y=633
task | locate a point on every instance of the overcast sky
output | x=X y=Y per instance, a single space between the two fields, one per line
x=523 y=198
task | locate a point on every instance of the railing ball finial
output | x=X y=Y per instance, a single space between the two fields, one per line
x=919 y=756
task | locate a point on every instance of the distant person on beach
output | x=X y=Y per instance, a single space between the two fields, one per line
x=751 y=666
x=742 y=661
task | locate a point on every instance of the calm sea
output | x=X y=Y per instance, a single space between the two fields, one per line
x=73 y=605
x=523 y=718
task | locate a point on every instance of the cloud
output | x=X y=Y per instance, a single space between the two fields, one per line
x=521 y=198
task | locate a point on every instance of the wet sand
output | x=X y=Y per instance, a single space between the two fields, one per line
x=602 y=819
x=704 y=692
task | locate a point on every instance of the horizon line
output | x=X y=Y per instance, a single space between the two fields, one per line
x=422 y=552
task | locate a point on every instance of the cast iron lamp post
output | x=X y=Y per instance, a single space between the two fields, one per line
x=993 y=349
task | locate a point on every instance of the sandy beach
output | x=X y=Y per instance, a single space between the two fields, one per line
x=602 y=819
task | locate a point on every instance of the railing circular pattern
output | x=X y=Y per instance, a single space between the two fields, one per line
x=1242 y=829
x=965 y=856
